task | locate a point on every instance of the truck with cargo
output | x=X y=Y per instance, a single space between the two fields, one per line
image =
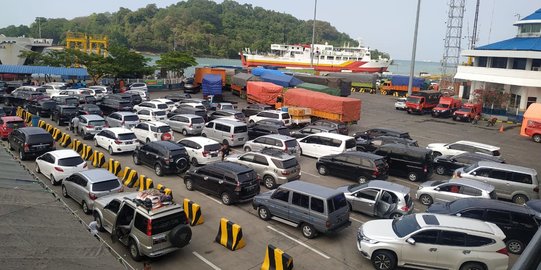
x=212 y=85
x=360 y=82
x=335 y=82
x=467 y=112
x=263 y=92
x=200 y=73
x=446 y=107
x=239 y=82
x=320 y=88
x=422 y=101
x=398 y=85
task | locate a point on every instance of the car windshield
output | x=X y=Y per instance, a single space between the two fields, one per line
x=247 y=176
x=239 y=116
x=405 y=225
x=285 y=116
x=443 y=105
x=71 y=161
x=48 y=104
x=69 y=110
x=40 y=138
x=15 y=124
x=130 y=118
x=227 y=107
x=291 y=143
x=106 y=185
x=162 y=106
x=212 y=147
x=126 y=136
x=380 y=163
x=97 y=91
x=351 y=143
x=97 y=123
x=198 y=121
x=159 y=113
x=240 y=129
x=161 y=129
x=168 y=222
x=415 y=100
x=285 y=164
x=179 y=152
x=337 y=202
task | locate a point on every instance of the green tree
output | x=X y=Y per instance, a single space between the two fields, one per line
x=128 y=64
x=176 y=61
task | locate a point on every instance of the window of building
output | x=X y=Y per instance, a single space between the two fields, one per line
x=536 y=64
x=514 y=101
x=482 y=62
x=499 y=62
x=519 y=63
x=530 y=101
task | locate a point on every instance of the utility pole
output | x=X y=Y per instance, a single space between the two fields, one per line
x=474 y=35
x=39 y=26
x=414 y=49
x=313 y=36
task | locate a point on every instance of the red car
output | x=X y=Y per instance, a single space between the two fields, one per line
x=8 y=124
x=533 y=130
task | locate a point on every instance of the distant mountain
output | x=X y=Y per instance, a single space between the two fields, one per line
x=202 y=27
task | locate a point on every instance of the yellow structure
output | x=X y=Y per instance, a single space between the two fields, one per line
x=98 y=44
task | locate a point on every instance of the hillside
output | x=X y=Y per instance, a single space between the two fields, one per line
x=202 y=27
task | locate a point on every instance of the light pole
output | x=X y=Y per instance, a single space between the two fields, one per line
x=412 y=66
x=313 y=36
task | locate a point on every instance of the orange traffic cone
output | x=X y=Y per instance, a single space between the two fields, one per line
x=501 y=128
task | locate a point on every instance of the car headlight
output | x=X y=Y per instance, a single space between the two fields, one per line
x=361 y=236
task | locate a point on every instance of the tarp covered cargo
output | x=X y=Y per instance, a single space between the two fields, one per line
x=533 y=113
x=282 y=80
x=348 y=108
x=212 y=84
x=263 y=92
x=262 y=71
x=200 y=72
x=320 y=88
x=333 y=82
x=355 y=77
x=404 y=80
x=242 y=78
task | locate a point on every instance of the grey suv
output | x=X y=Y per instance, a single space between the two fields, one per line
x=285 y=143
x=272 y=165
x=146 y=229
x=89 y=125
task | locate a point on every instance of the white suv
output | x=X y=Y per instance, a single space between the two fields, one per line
x=271 y=114
x=430 y=241
x=151 y=105
x=116 y=140
x=460 y=147
x=170 y=104
x=153 y=131
x=148 y=114
x=201 y=150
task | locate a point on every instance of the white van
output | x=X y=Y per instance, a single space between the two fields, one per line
x=226 y=131
x=324 y=144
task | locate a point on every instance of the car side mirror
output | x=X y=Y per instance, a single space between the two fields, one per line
x=458 y=214
x=411 y=241
x=437 y=189
x=206 y=178
x=474 y=173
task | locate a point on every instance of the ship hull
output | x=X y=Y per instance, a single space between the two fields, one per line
x=347 y=66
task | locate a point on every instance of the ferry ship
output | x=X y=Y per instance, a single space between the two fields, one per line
x=326 y=58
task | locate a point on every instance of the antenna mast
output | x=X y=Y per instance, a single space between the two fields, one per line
x=452 y=43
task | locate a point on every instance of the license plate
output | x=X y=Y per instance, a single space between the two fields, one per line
x=197 y=126
x=98 y=128
x=129 y=142
x=250 y=188
x=241 y=139
x=213 y=155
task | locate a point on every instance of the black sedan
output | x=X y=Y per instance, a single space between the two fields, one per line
x=448 y=164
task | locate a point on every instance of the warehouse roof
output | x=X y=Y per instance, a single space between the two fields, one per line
x=515 y=44
x=63 y=71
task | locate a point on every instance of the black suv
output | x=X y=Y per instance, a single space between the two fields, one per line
x=164 y=156
x=135 y=98
x=518 y=223
x=341 y=127
x=114 y=103
x=413 y=162
x=30 y=142
x=42 y=108
x=253 y=109
x=360 y=166
x=376 y=132
x=369 y=145
x=448 y=164
x=258 y=129
x=63 y=114
x=232 y=182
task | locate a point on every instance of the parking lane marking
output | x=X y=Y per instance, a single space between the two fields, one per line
x=354 y=219
x=210 y=198
x=311 y=174
x=213 y=266
x=301 y=243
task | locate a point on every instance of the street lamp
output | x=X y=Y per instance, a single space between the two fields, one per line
x=313 y=36
x=412 y=66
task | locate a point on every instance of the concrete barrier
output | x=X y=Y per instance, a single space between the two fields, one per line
x=193 y=212
x=230 y=235
x=276 y=259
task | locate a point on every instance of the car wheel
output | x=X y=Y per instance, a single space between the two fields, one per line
x=472 y=266
x=184 y=132
x=97 y=218
x=263 y=213
x=440 y=170
x=96 y=143
x=395 y=215
x=189 y=185
x=426 y=199
x=412 y=177
x=247 y=149
x=37 y=168
x=269 y=182
x=134 y=251
x=53 y=180
x=21 y=155
x=110 y=150
x=226 y=198
x=194 y=162
x=180 y=236
x=308 y=231
x=383 y=260
x=537 y=138
x=85 y=208
x=203 y=135
x=64 y=192
x=158 y=169
x=362 y=179
x=520 y=199
x=515 y=246
x=322 y=170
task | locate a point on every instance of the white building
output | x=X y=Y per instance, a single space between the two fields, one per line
x=12 y=47
x=513 y=65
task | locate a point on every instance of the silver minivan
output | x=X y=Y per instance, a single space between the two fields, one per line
x=187 y=124
x=122 y=119
x=229 y=132
x=89 y=125
x=511 y=182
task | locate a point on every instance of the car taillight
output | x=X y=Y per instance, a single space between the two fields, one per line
x=190 y=125
x=118 y=142
x=425 y=168
x=26 y=147
x=166 y=137
x=92 y=196
x=238 y=188
x=89 y=126
x=536 y=189
x=285 y=172
x=405 y=208
x=149 y=227
x=327 y=224
x=503 y=251
x=205 y=153
x=59 y=169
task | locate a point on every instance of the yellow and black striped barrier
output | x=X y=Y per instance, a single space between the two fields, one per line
x=87 y=152
x=49 y=128
x=98 y=161
x=165 y=190
x=129 y=177
x=19 y=112
x=42 y=124
x=230 y=235
x=276 y=259
x=77 y=146
x=65 y=140
x=28 y=118
x=114 y=167
x=193 y=212
x=57 y=134
x=143 y=183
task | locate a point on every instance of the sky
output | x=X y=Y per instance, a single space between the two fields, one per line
x=386 y=25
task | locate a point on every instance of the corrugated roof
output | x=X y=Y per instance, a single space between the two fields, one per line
x=15 y=69
x=534 y=16
x=515 y=44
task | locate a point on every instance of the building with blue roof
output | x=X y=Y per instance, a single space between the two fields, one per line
x=512 y=66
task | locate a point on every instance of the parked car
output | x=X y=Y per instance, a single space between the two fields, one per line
x=314 y=208
x=413 y=162
x=152 y=105
x=187 y=124
x=460 y=147
x=230 y=132
x=533 y=130
x=116 y=140
x=164 y=156
x=86 y=99
x=226 y=114
x=59 y=164
x=468 y=112
x=259 y=129
x=271 y=114
x=431 y=241
x=222 y=106
x=450 y=190
x=30 y=142
x=448 y=164
x=153 y=131
x=138 y=86
x=253 y=109
x=188 y=110
x=170 y=104
x=97 y=93
x=152 y=115
x=189 y=85
x=89 y=109
x=519 y=223
x=8 y=124
x=377 y=132
x=125 y=217
x=138 y=96
x=341 y=127
x=86 y=186
x=110 y=105
x=273 y=166
x=400 y=104
x=232 y=182
x=89 y=125
x=284 y=143
x=122 y=119
x=379 y=199
x=512 y=182
x=370 y=145
x=305 y=131
x=360 y=166
x=41 y=108
x=66 y=100
x=177 y=97
x=201 y=150
x=322 y=144
x=63 y=114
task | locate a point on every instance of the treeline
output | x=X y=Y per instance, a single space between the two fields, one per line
x=202 y=27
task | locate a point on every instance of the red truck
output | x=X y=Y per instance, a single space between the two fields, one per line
x=533 y=130
x=446 y=107
x=422 y=101
x=468 y=112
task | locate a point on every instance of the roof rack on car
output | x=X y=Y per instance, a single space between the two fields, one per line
x=152 y=199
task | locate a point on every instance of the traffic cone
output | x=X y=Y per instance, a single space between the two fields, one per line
x=501 y=128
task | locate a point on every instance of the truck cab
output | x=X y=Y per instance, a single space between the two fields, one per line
x=422 y=101
x=468 y=112
x=446 y=107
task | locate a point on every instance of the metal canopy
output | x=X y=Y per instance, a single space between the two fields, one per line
x=62 y=71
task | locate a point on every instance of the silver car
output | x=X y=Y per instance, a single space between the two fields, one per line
x=89 y=125
x=285 y=143
x=187 y=124
x=379 y=198
x=86 y=186
x=456 y=188
x=122 y=119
